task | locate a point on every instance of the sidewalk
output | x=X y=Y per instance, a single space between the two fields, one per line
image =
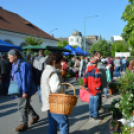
x=98 y=127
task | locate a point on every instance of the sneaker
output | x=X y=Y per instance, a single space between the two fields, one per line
x=97 y=118
x=20 y=128
x=33 y=121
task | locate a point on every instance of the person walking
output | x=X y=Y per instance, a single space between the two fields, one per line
x=39 y=64
x=51 y=83
x=102 y=68
x=22 y=74
x=92 y=80
x=124 y=62
x=5 y=67
x=64 y=69
x=83 y=66
x=117 y=64
x=111 y=64
x=77 y=67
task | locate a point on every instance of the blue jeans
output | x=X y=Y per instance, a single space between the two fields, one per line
x=117 y=71
x=39 y=93
x=58 y=119
x=105 y=91
x=93 y=105
x=123 y=67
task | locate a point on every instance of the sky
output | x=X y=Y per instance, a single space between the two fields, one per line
x=68 y=15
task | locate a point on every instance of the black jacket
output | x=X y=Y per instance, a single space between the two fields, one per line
x=5 y=66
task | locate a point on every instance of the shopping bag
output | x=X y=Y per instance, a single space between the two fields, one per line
x=108 y=76
x=84 y=95
x=13 y=88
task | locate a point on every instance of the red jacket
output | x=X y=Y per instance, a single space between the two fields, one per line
x=92 y=79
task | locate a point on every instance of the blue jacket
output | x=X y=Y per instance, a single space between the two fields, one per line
x=24 y=77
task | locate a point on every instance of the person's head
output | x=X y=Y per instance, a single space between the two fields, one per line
x=41 y=53
x=14 y=55
x=77 y=58
x=28 y=56
x=82 y=57
x=94 y=61
x=54 y=59
x=97 y=55
x=3 y=56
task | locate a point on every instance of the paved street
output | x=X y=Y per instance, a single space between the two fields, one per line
x=9 y=117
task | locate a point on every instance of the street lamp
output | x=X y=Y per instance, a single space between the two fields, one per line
x=85 y=29
x=53 y=30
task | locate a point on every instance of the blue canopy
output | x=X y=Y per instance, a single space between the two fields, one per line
x=81 y=51
x=5 y=47
x=73 y=51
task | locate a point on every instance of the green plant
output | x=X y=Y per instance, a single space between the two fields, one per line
x=47 y=52
x=80 y=81
x=34 y=41
x=126 y=104
x=126 y=130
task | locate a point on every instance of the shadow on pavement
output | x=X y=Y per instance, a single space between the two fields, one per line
x=5 y=113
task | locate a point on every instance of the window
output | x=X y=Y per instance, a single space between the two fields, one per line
x=77 y=39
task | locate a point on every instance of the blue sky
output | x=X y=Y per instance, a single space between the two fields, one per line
x=68 y=15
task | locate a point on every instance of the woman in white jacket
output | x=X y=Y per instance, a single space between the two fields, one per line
x=51 y=83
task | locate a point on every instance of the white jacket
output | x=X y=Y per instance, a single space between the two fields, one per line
x=50 y=83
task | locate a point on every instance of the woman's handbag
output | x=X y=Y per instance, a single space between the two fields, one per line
x=62 y=103
x=108 y=76
x=13 y=88
x=84 y=95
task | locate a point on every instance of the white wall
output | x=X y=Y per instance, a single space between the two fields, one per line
x=76 y=40
x=17 y=38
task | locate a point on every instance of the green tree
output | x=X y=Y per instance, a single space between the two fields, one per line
x=119 y=46
x=33 y=41
x=102 y=46
x=74 y=46
x=128 y=31
x=62 y=43
x=47 y=52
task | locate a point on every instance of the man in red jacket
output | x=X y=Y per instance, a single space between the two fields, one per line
x=92 y=79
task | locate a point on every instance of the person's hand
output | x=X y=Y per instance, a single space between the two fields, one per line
x=24 y=96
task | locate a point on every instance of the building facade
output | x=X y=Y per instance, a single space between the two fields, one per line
x=77 y=39
x=14 y=28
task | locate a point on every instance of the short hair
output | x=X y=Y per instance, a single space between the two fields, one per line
x=54 y=56
x=96 y=53
x=41 y=52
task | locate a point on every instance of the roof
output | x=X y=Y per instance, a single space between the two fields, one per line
x=13 y=22
x=50 y=48
x=63 y=39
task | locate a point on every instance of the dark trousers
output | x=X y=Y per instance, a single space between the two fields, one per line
x=5 y=83
x=25 y=108
x=111 y=74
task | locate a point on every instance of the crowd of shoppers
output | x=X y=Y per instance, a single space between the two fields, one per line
x=52 y=72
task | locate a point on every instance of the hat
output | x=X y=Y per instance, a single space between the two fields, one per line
x=93 y=60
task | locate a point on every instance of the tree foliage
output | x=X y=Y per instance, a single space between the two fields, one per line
x=128 y=31
x=74 y=46
x=47 y=52
x=102 y=46
x=119 y=46
x=62 y=43
x=34 y=41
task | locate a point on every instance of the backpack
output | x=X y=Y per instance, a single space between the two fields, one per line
x=35 y=74
x=39 y=63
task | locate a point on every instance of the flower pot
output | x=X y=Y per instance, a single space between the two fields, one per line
x=112 y=91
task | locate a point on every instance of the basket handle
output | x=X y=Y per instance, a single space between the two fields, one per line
x=71 y=87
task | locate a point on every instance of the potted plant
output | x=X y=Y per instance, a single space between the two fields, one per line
x=112 y=88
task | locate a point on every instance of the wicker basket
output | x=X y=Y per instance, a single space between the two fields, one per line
x=62 y=103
